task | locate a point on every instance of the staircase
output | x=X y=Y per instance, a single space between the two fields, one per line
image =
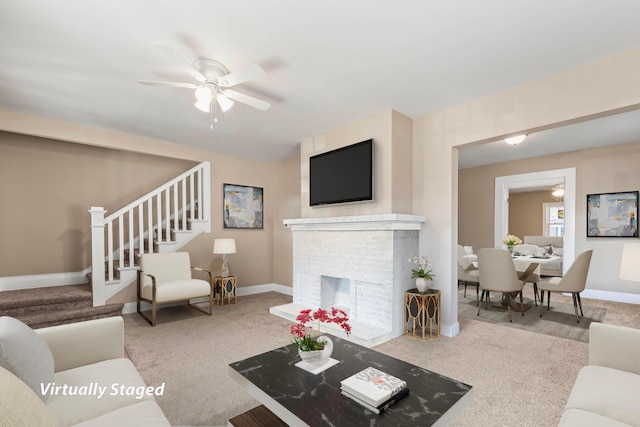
x=163 y=220
x=54 y=305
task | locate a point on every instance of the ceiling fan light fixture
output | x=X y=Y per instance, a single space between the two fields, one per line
x=203 y=105
x=224 y=102
x=204 y=93
x=515 y=140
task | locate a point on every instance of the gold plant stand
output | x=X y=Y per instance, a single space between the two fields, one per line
x=422 y=314
x=226 y=288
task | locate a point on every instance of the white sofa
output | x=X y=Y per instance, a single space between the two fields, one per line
x=606 y=391
x=72 y=375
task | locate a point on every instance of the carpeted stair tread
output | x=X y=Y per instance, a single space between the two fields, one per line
x=59 y=317
x=24 y=310
x=44 y=296
x=54 y=305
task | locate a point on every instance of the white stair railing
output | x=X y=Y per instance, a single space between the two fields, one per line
x=135 y=228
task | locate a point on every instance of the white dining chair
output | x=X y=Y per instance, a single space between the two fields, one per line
x=498 y=274
x=573 y=282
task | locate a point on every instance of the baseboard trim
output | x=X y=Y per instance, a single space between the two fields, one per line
x=12 y=283
x=610 y=296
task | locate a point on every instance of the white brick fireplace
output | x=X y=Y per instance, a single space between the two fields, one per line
x=359 y=264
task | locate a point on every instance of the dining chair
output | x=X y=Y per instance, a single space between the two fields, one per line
x=498 y=274
x=574 y=282
x=467 y=273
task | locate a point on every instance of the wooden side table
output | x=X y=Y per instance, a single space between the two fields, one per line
x=226 y=287
x=422 y=313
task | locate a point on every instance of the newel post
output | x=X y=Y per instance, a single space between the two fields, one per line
x=97 y=255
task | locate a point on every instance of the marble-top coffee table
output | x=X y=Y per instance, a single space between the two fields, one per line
x=300 y=398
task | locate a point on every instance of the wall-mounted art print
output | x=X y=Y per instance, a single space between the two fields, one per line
x=612 y=214
x=242 y=206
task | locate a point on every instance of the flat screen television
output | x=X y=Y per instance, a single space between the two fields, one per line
x=342 y=175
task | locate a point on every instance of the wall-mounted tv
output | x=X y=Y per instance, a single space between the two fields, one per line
x=342 y=175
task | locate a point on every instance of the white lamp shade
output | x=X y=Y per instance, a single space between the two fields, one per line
x=224 y=246
x=630 y=263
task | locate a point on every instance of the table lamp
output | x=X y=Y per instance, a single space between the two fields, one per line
x=224 y=247
x=630 y=263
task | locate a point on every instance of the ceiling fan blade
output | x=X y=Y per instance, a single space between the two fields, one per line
x=169 y=51
x=246 y=99
x=251 y=72
x=172 y=84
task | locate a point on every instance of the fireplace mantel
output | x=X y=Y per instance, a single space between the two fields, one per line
x=359 y=222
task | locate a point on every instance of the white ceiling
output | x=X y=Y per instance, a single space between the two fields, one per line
x=328 y=62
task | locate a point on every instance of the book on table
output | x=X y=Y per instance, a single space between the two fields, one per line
x=372 y=386
x=384 y=405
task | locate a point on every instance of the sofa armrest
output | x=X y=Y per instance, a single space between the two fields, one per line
x=84 y=343
x=614 y=346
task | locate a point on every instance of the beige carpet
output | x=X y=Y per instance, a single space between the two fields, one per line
x=519 y=377
x=559 y=321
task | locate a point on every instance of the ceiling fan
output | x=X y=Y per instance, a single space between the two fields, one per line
x=213 y=80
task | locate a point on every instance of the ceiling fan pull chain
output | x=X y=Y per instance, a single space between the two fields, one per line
x=211 y=115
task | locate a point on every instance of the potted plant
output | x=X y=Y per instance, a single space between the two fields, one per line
x=510 y=240
x=316 y=350
x=423 y=276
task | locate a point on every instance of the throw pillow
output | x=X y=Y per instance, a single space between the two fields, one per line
x=558 y=251
x=549 y=249
x=25 y=354
x=20 y=406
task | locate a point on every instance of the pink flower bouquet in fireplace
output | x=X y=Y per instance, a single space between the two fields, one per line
x=307 y=342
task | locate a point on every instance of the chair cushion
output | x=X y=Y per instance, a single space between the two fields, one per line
x=166 y=266
x=549 y=284
x=177 y=290
x=19 y=405
x=25 y=354
x=143 y=414
x=581 y=418
x=68 y=409
x=609 y=392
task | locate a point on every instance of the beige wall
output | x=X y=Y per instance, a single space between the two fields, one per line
x=47 y=187
x=526 y=213
x=258 y=250
x=391 y=132
x=288 y=183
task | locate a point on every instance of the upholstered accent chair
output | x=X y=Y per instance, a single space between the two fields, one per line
x=573 y=282
x=467 y=273
x=166 y=277
x=498 y=274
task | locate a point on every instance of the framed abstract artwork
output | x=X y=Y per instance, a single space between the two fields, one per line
x=243 y=206
x=612 y=214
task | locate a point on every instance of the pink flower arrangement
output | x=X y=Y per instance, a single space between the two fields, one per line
x=305 y=341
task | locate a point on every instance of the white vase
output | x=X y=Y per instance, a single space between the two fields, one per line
x=316 y=358
x=422 y=284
